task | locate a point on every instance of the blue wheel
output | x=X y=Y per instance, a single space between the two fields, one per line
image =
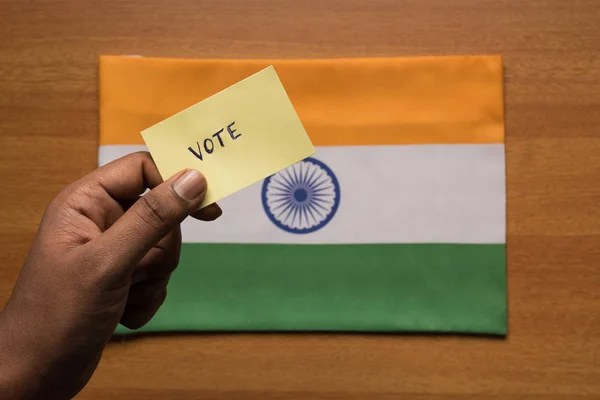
x=302 y=198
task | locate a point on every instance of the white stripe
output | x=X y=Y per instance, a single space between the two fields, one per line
x=389 y=194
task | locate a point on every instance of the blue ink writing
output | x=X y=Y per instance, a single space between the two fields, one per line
x=212 y=145
x=199 y=153
x=232 y=131
x=209 y=144
x=218 y=135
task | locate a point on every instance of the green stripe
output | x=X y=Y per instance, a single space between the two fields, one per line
x=378 y=288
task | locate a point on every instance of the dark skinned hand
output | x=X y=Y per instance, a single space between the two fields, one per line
x=103 y=255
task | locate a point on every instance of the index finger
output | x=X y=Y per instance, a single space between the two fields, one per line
x=127 y=177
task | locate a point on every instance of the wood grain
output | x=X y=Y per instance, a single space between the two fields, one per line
x=48 y=137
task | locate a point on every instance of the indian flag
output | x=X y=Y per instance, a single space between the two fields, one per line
x=397 y=223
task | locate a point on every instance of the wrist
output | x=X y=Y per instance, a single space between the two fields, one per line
x=19 y=371
x=41 y=358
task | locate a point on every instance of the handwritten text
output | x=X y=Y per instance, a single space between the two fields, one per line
x=208 y=144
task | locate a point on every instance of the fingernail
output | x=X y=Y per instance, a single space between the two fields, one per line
x=190 y=185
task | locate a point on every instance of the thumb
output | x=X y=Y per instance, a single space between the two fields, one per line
x=154 y=215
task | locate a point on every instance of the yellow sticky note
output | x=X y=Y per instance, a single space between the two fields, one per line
x=236 y=137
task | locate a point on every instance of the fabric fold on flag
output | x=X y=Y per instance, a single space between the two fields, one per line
x=396 y=224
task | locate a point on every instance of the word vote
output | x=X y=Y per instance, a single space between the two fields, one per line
x=209 y=143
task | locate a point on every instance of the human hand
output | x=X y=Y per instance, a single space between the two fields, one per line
x=103 y=254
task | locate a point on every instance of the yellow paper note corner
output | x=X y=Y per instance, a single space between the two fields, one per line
x=236 y=137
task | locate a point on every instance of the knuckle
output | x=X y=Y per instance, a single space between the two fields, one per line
x=172 y=261
x=137 y=317
x=140 y=157
x=62 y=199
x=133 y=323
x=172 y=265
x=161 y=297
x=82 y=196
x=155 y=211
x=167 y=261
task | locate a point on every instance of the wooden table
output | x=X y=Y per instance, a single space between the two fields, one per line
x=49 y=137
